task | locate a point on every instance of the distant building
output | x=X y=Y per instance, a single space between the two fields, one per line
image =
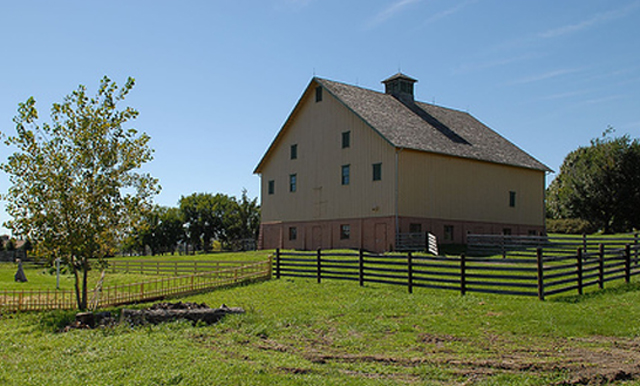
x=352 y=168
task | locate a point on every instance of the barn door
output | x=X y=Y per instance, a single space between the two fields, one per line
x=381 y=237
x=316 y=237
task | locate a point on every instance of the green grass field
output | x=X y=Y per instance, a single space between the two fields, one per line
x=45 y=278
x=297 y=332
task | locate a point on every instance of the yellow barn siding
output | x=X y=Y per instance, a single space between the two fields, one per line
x=443 y=187
x=316 y=128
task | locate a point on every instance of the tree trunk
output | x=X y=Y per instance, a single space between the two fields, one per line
x=85 y=273
x=77 y=283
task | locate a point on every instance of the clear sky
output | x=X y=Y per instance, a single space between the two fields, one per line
x=215 y=80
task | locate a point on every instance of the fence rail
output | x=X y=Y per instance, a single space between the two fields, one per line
x=479 y=245
x=165 y=287
x=171 y=268
x=416 y=242
x=535 y=274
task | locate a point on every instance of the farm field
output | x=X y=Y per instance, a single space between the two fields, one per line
x=298 y=332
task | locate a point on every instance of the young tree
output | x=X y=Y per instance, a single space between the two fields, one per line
x=599 y=183
x=76 y=188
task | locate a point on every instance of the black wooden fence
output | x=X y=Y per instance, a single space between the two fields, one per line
x=535 y=273
x=487 y=245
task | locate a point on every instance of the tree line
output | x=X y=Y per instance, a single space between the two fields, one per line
x=200 y=222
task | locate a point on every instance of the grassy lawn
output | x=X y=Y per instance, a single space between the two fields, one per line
x=297 y=332
x=45 y=278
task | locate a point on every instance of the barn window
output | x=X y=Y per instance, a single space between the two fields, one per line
x=319 y=94
x=346 y=139
x=506 y=231
x=377 y=172
x=293 y=182
x=415 y=228
x=345 y=174
x=293 y=233
x=512 y=199
x=345 y=232
x=294 y=151
x=271 y=187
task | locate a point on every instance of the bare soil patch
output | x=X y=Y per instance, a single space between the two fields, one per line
x=580 y=361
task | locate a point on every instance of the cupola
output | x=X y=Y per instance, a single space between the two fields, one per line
x=400 y=86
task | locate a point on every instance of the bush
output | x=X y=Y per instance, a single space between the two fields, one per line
x=572 y=226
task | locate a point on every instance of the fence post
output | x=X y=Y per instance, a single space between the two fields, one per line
x=319 y=265
x=463 y=279
x=361 y=267
x=270 y=267
x=627 y=263
x=601 y=267
x=277 y=263
x=540 y=273
x=635 y=247
x=579 y=266
x=504 y=251
x=584 y=243
x=410 y=272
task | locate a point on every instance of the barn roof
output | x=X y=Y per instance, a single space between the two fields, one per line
x=427 y=127
x=421 y=126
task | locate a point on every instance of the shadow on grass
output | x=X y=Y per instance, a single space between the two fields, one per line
x=617 y=290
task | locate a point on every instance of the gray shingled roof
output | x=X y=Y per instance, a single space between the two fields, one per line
x=430 y=128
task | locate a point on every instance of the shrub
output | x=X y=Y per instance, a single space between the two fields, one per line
x=572 y=226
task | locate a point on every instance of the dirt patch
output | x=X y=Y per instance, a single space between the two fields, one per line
x=157 y=313
x=167 y=312
x=592 y=361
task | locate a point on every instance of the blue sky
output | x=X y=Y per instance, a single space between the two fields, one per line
x=215 y=80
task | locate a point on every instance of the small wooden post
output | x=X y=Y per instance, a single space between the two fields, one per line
x=540 y=273
x=277 y=263
x=584 y=243
x=361 y=267
x=579 y=269
x=410 y=272
x=463 y=279
x=319 y=265
x=627 y=263
x=601 y=267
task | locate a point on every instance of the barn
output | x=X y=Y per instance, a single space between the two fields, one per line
x=357 y=168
